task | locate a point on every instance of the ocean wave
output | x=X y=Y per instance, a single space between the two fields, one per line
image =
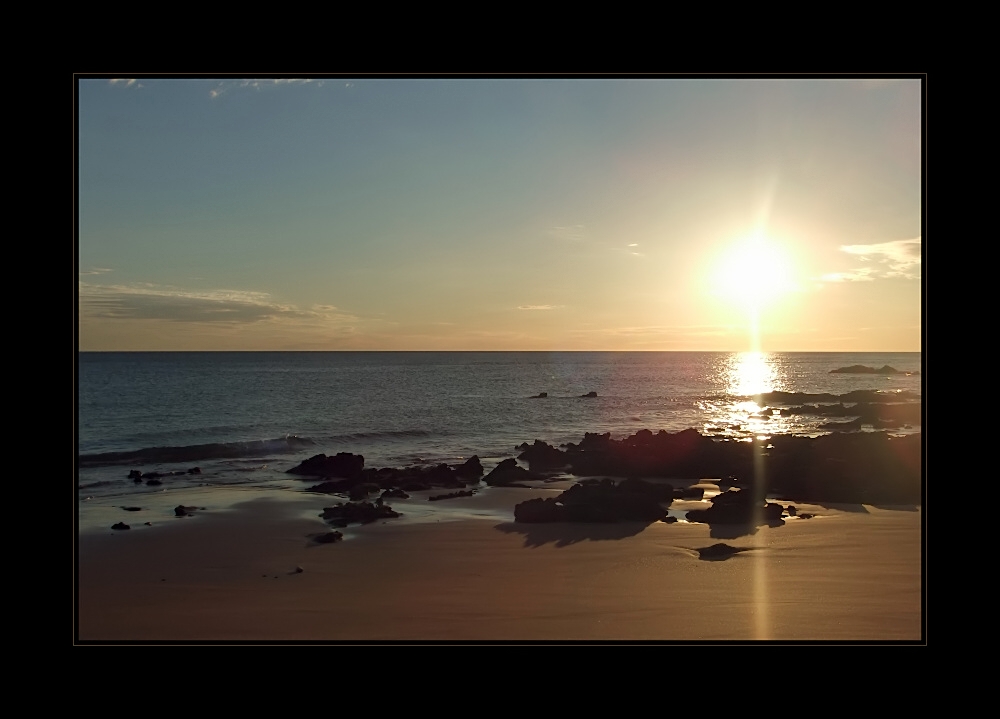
x=197 y=452
x=393 y=434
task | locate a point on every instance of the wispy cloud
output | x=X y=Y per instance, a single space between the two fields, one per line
x=862 y=274
x=151 y=302
x=574 y=233
x=537 y=307
x=96 y=271
x=899 y=259
x=228 y=85
x=126 y=82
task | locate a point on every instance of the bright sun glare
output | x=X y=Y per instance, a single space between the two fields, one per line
x=754 y=272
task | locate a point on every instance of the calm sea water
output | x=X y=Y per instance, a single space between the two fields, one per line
x=246 y=417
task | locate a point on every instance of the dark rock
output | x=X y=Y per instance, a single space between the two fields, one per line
x=738 y=506
x=694 y=493
x=589 y=394
x=194 y=470
x=451 y=495
x=720 y=551
x=471 y=469
x=506 y=472
x=357 y=513
x=542 y=456
x=135 y=474
x=332 y=486
x=540 y=395
x=601 y=501
x=181 y=511
x=132 y=509
x=329 y=537
x=120 y=525
x=344 y=464
x=153 y=482
x=539 y=510
x=361 y=491
x=863 y=369
x=394 y=493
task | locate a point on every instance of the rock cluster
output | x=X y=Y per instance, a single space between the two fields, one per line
x=600 y=501
x=357 y=513
x=857 y=467
x=345 y=473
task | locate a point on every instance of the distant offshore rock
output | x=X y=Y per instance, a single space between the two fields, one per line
x=864 y=369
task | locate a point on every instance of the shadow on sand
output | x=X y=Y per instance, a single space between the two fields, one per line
x=731 y=531
x=563 y=534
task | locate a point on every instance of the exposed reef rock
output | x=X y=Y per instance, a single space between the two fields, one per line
x=720 y=551
x=864 y=369
x=589 y=394
x=362 y=482
x=857 y=467
x=540 y=395
x=738 y=506
x=507 y=473
x=600 y=501
x=344 y=464
x=328 y=537
x=357 y=513
x=451 y=495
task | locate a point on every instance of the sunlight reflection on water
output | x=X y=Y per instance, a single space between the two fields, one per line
x=744 y=376
x=752 y=373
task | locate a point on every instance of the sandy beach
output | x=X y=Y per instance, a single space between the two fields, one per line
x=851 y=573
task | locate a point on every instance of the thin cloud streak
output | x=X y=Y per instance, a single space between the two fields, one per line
x=574 y=233
x=149 y=302
x=259 y=84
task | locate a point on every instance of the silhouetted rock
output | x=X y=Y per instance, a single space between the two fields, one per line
x=589 y=394
x=720 y=551
x=542 y=456
x=182 y=511
x=132 y=509
x=738 y=506
x=507 y=472
x=120 y=525
x=329 y=537
x=357 y=513
x=863 y=369
x=135 y=474
x=451 y=495
x=361 y=491
x=600 y=501
x=471 y=469
x=344 y=464
x=540 y=395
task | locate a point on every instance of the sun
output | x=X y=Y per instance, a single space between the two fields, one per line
x=754 y=272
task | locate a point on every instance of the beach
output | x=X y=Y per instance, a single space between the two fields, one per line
x=471 y=574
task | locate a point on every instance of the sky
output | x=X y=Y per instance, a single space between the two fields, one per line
x=363 y=213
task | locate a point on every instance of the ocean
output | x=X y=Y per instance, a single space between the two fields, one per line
x=244 y=418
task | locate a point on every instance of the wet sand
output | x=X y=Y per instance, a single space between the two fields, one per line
x=468 y=572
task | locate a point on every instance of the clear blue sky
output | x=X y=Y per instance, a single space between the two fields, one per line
x=362 y=213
